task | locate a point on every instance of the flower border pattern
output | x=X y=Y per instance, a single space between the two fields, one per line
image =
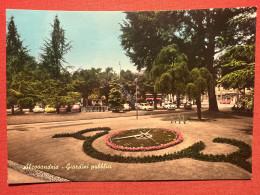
x=174 y=142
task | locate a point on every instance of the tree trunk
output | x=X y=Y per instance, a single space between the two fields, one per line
x=106 y=95
x=178 y=101
x=58 y=109
x=21 y=109
x=155 y=100
x=213 y=106
x=198 y=103
x=12 y=109
x=85 y=99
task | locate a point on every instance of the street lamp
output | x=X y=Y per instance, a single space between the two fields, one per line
x=136 y=108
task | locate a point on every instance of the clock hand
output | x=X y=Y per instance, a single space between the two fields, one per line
x=127 y=136
x=145 y=135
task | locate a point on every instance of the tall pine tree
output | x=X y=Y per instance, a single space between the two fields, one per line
x=54 y=50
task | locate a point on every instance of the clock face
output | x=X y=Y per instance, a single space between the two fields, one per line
x=143 y=139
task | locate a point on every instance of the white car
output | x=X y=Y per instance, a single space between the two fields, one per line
x=126 y=107
x=169 y=106
x=144 y=106
x=38 y=109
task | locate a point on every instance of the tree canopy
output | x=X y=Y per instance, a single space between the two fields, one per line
x=200 y=79
x=170 y=72
x=200 y=34
x=53 y=51
x=238 y=67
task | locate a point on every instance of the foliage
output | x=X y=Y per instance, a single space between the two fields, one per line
x=247 y=101
x=79 y=135
x=238 y=67
x=127 y=80
x=201 y=34
x=198 y=84
x=145 y=85
x=141 y=39
x=21 y=80
x=58 y=93
x=86 y=81
x=170 y=71
x=200 y=79
x=54 y=49
x=16 y=52
x=238 y=158
x=106 y=78
x=115 y=98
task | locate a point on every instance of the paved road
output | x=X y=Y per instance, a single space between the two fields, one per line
x=53 y=117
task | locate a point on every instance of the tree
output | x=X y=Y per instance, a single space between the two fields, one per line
x=85 y=82
x=146 y=85
x=127 y=80
x=19 y=67
x=54 y=50
x=58 y=93
x=170 y=72
x=200 y=79
x=211 y=31
x=106 y=78
x=115 y=98
x=200 y=34
x=142 y=37
x=16 y=52
x=238 y=68
x=28 y=87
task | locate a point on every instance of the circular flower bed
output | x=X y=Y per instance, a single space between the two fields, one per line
x=143 y=139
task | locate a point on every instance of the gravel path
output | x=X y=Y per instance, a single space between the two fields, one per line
x=38 y=174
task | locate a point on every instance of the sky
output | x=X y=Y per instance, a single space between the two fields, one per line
x=94 y=36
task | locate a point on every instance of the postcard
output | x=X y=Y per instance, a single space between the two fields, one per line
x=130 y=96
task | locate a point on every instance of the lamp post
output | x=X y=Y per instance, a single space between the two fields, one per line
x=136 y=108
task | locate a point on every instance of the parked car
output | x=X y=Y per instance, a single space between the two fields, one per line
x=38 y=109
x=145 y=106
x=228 y=101
x=126 y=107
x=49 y=108
x=222 y=102
x=169 y=106
x=225 y=101
x=76 y=108
x=63 y=109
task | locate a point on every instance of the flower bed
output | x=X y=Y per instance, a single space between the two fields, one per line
x=143 y=139
x=238 y=158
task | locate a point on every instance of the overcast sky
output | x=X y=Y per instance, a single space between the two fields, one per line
x=94 y=36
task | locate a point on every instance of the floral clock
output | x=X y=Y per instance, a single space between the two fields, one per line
x=143 y=139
